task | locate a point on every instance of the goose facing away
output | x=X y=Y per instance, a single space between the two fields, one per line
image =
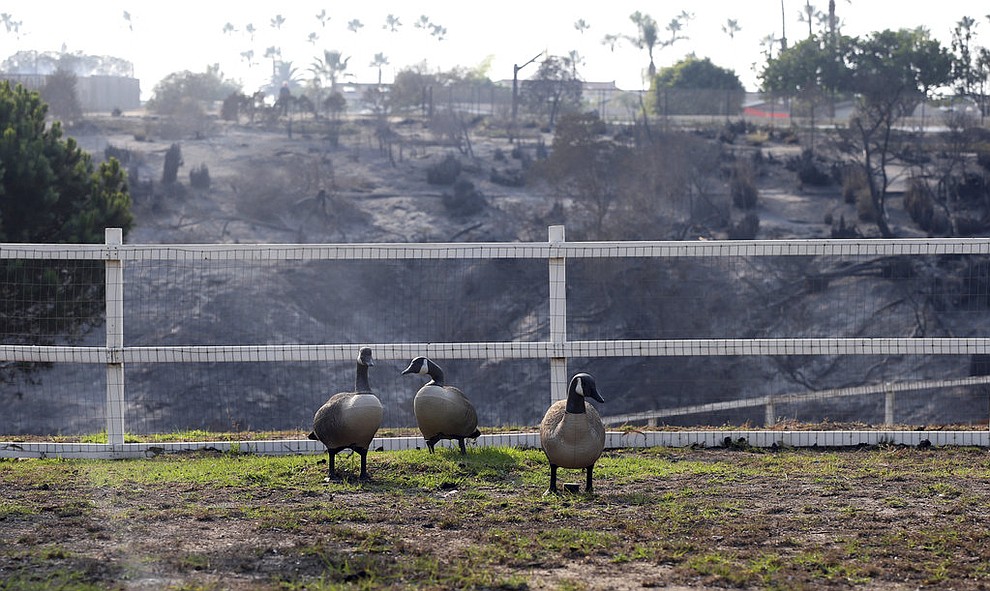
x=442 y=411
x=349 y=420
x=572 y=433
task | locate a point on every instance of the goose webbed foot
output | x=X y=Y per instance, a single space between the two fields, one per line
x=552 y=490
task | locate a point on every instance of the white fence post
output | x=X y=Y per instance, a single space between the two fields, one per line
x=888 y=406
x=115 y=337
x=558 y=317
x=769 y=413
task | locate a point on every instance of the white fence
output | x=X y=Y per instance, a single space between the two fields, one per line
x=556 y=349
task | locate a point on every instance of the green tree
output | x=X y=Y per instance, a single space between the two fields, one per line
x=180 y=91
x=891 y=73
x=695 y=86
x=51 y=192
x=554 y=89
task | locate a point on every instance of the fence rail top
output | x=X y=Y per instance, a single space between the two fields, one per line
x=488 y=250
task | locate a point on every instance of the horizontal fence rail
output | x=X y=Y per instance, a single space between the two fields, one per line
x=557 y=349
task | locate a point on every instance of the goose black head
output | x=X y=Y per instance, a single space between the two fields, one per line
x=425 y=366
x=582 y=386
x=418 y=365
x=364 y=357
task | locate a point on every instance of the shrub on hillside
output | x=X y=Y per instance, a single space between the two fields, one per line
x=465 y=201
x=173 y=160
x=444 y=172
x=199 y=177
x=742 y=186
x=809 y=173
x=746 y=228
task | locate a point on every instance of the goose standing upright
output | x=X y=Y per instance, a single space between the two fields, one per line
x=442 y=411
x=349 y=420
x=572 y=433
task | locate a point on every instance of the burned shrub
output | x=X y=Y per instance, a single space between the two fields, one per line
x=173 y=160
x=199 y=177
x=444 y=172
x=508 y=177
x=809 y=173
x=123 y=155
x=742 y=186
x=746 y=228
x=466 y=199
x=971 y=188
x=854 y=182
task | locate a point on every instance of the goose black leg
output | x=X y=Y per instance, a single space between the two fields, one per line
x=364 y=463
x=587 y=487
x=553 y=481
x=331 y=469
x=431 y=442
x=460 y=440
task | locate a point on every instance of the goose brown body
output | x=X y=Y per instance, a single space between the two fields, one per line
x=442 y=411
x=572 y=433
x=572 y=440
x=350 y=420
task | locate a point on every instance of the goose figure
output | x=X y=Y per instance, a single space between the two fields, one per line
x=349 y=420
x=572 y=433
x=442 y=411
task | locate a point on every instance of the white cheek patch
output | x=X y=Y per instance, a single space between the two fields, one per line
x=424 y=368
x=580 y=387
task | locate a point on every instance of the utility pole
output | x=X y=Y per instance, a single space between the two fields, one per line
x=515 y=94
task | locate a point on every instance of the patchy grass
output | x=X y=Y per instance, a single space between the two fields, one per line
x=879 y=518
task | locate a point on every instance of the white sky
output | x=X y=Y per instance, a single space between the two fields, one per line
x=184 y=35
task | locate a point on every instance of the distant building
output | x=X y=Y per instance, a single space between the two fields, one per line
x=96 y=93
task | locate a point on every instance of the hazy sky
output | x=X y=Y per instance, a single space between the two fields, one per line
x=165 y=37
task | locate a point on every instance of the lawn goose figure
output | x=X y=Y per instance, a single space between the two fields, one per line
x=572 y=434
x=349 y=420
x=442 y=411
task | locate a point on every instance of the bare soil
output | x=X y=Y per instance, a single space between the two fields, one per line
x=679 y=519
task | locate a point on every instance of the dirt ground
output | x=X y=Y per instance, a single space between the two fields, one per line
x=891 y=518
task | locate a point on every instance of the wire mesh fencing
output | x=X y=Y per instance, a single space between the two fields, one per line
x=146 y=339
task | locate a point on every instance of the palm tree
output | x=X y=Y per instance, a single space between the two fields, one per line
x=323 y=17
x=646 y=38
x=809 y=14
x=127 y=19
x=354 y=25
x=392 y=23
x=581 y=26
x=329 y=68
x=285 y=74
x=273 y=53
x=248 y=56
x=611 y=41
x=731 y=27
x=438 y=31
x=379 y=62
